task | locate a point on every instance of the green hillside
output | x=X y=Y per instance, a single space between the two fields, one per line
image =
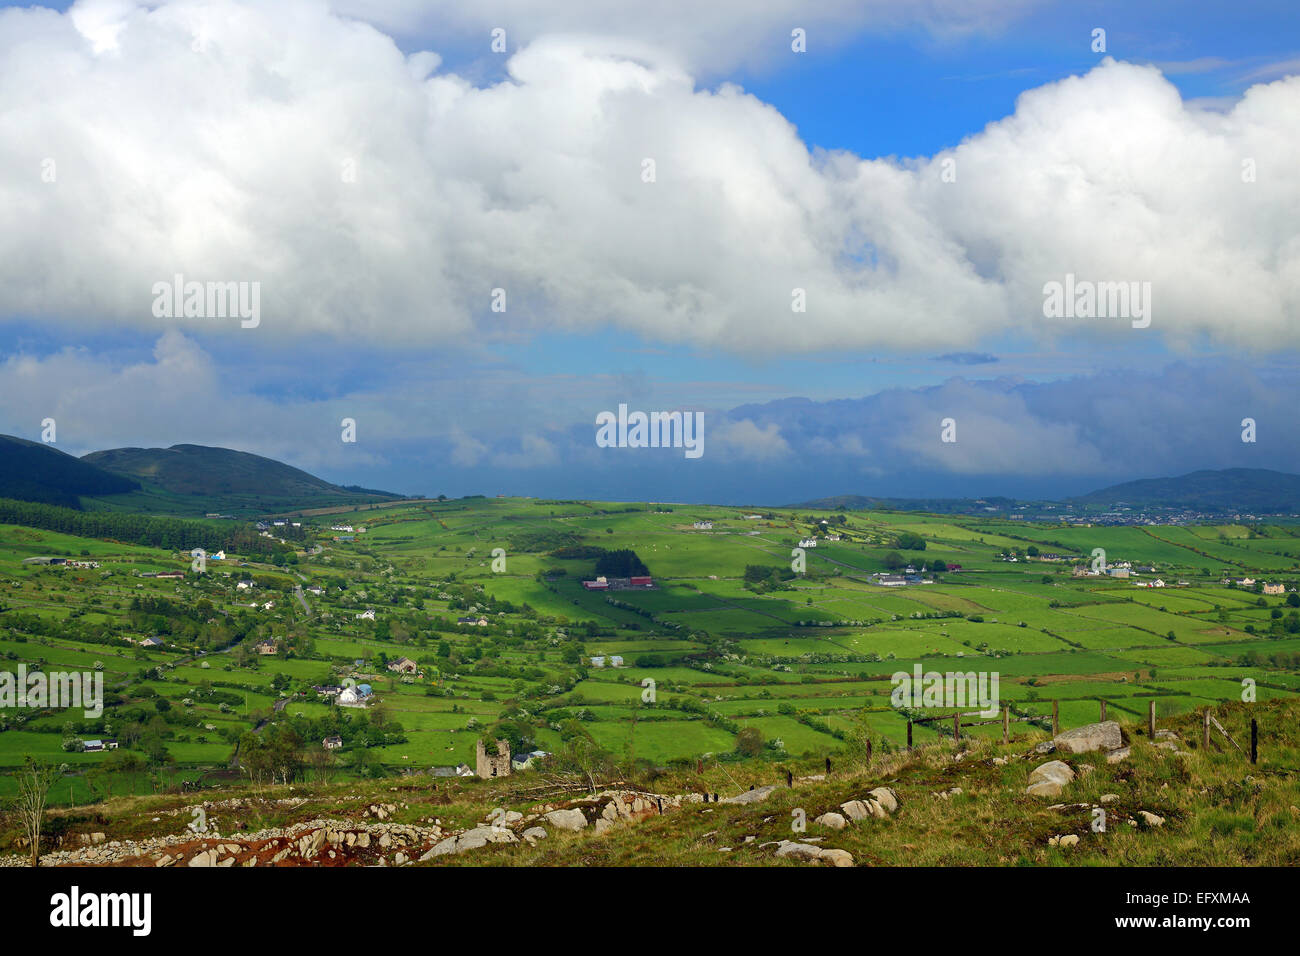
x=196 y=479
x=31 y=471
x=1244 y=489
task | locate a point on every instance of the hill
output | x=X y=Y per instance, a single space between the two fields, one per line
x=196 y=479
x=32 y=471
x=1254 y=490
x=1226 y=492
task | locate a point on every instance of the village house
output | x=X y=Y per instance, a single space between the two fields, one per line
x=616 y=661
x=460 y=770
x=472 y=621
x=332 y=743
x=244 y=586
x=703 y=526
x=403 y=665
x=358 y=696
x=598 y=661
x=525 y=761
x=367 y=615
x=1274 y=589
x=807 y=542
x=600 y=584
x=151 y=642
x=891 y=580
x=265 y=647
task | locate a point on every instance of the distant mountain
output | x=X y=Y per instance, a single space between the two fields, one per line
x=32 y=471
x=1251 y=490
x=1230 y=491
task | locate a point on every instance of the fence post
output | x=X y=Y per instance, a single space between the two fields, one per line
x=1056 y=719
x=1254 y=739
x=1006 y=724
x=1205 y=731
x=1103 y=711
x=956 y=726
x=1151 y=719
x=909 y=734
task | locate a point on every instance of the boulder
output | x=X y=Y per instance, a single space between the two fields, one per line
x=799 y=851
x=572 y=820
x=1150 y=819
x=832 y=820
x=808 y=853
x=855 y=810
x=533 y=834
x=886 y=797
x=758 y=795
x=1118 y=754
x=836 y=857
x=1049 y=779
x=1101 y=736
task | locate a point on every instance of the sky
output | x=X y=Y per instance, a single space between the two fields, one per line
x=834 y=233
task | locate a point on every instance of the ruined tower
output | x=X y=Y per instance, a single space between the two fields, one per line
x=492 y=765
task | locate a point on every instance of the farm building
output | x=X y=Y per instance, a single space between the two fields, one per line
x=403 y=665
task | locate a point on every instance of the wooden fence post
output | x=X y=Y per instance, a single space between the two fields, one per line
x=956 y=726
x=1056 y=719
x=909 y=734
x=1151 y=719
x=828 y=766
x=1103 y=711
x=789 y=779
x=1205 y=730
x=1254 y=739
x=1006 y=724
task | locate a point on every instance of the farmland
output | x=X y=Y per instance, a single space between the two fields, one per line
x=728 y=640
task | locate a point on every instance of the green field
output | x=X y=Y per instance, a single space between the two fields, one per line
x=728 y=640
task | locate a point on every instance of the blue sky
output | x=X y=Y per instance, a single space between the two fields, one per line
x=776 y=170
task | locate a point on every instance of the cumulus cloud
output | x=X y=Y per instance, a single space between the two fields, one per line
x=377 y=198
x=743 y=440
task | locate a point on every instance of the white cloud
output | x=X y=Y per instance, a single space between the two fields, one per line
x=216 y=141
x=744 y=441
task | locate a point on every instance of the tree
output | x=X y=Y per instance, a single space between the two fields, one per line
x=749 y=742
x=893 y=560
x=34 y=783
